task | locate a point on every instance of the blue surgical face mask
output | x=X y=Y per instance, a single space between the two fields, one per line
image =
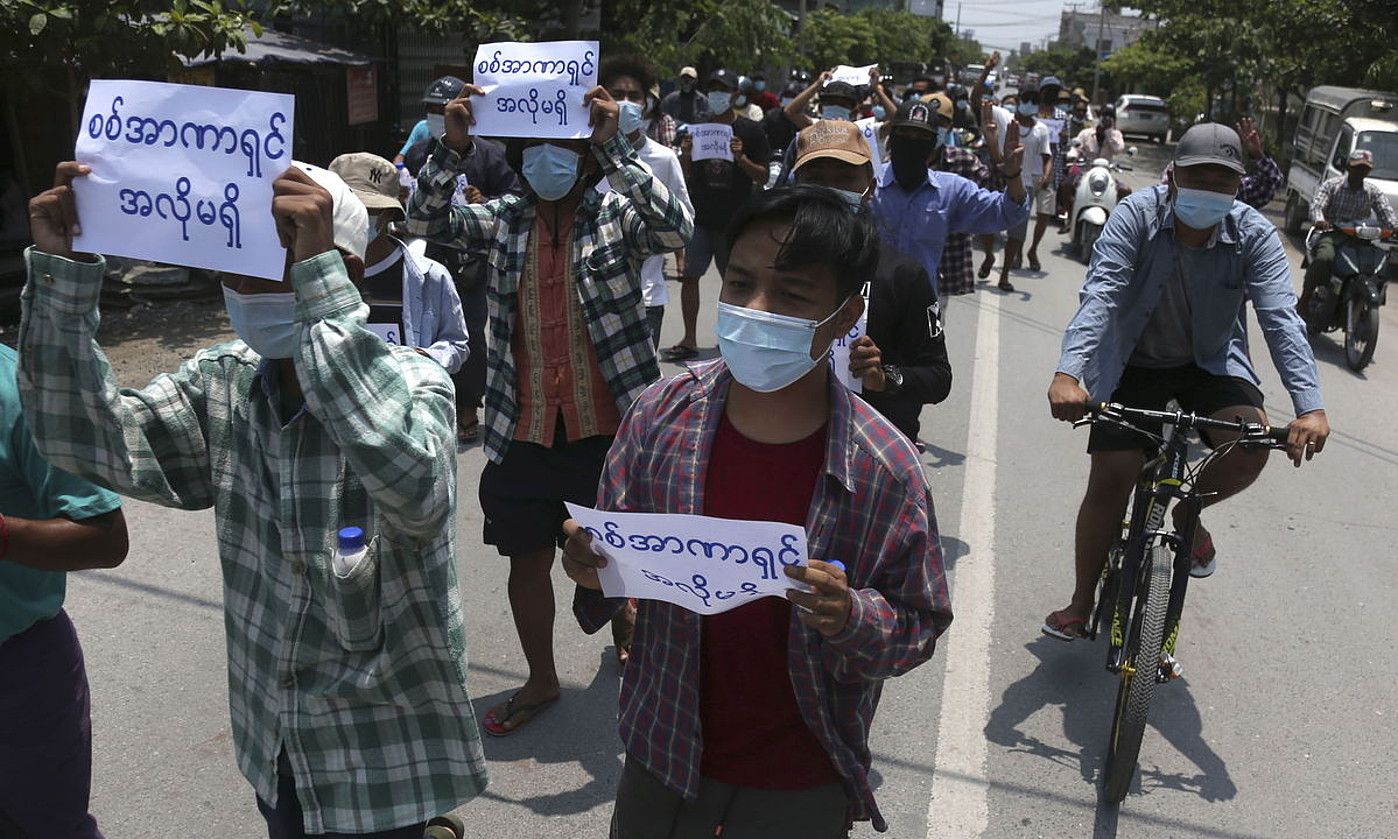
x=834 y=112
x=740 y=102
x=436 y=124
x=1200 y=208
x=631 y=118
x=1028 y=109
x=265 y=322
x=766 y=352
x=880 y=112
x=759 y=85
x=720 y=101
x=944 y=137
x=551 y=170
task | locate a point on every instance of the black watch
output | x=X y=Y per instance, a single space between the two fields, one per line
x=893 y=378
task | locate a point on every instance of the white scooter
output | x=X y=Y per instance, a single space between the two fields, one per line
x=1093 y=202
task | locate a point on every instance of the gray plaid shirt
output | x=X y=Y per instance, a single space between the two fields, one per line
x=362 y=679
x=1335 y=202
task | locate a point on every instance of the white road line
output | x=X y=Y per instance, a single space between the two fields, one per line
x=960 y=790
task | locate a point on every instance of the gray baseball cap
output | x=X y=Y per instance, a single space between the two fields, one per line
x=1210 y=142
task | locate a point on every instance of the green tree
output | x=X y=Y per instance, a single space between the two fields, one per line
x=904 y=36
x=828 y=37
x=741 y=34
x=1148 y=67
x=1072 y=66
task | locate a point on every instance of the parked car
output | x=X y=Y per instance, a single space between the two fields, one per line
x=1143 y=115
x=1335 y=121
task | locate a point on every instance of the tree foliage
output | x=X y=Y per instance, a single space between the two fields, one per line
x=741 y=34
x=1072 y=66
x=881 y=36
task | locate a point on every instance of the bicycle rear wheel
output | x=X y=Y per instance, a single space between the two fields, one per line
x=1137 y=685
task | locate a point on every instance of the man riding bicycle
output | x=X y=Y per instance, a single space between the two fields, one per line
x=1162 y=318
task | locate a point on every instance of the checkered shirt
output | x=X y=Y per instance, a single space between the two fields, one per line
x=360 y=679
x=872 y=510
x=956 y=272
x=613 y=233
x=1335 y=202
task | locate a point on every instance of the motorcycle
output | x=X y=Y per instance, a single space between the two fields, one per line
x=1094 y=199
x=1358 y=287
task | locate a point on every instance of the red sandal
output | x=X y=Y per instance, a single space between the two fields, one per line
x=1056 y=625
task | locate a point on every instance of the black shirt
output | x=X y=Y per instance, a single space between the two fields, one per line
x=905 y=324
x=687 y=108
x=779 y=130
x=718 y=187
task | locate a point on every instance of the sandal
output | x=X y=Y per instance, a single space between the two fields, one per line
x=1034 y=263
x=1058 y=625
x=496 y=727
x=1205 y=558
x=987 y=266
x=1006 y=285
x=678 y=352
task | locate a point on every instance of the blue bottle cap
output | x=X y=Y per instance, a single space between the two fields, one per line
x=838 y=564
x=351 y=539
x=400 y=165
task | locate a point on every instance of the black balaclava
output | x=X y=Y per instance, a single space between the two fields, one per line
x=908 y=157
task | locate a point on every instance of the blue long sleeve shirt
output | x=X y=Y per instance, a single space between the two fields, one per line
x=1136 y=256
x=917 y=223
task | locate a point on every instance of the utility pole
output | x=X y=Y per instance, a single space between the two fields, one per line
x=958 y=20
x=1097 y=48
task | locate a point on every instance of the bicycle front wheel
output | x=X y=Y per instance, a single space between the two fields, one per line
x=1137 y=685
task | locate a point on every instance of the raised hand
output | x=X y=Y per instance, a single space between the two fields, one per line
x=989 y=127
x=1014 y=152
x=736 y=147
x=53 y=214
x=602 y=115
x=1252 y=141
x=460 y=118
x=303 y=212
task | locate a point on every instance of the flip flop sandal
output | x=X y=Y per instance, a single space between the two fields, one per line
x=496 y=728
x=678 y=352
x=1205 y=559
x=1064 y=626
x=986 y=267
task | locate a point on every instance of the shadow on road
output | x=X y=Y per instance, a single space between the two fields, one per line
x=543 y=741
x=1070 y=676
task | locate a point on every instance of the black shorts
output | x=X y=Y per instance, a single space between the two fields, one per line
x=1196 y=390
x=522 y=498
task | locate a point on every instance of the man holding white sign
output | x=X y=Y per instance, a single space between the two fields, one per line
x=308 y=428
x=782 y=753
x=568 y=348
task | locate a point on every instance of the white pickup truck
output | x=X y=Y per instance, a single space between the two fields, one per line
x=1334 y=122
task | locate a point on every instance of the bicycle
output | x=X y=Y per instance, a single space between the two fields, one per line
x=1141 y=595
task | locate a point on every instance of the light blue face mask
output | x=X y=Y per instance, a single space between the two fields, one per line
x=766 y=352
x=631 y=118
x=265 y=322
x=759 y=85
x=1200 y=208
x=1027 y=109
x=880 y=112
x=944 y=137
x=720 y=102
x=834 y=112
x=551 y=170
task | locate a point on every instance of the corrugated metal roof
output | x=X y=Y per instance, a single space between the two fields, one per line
x=273 y=47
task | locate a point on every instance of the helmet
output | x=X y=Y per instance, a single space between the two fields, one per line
x=443 y=90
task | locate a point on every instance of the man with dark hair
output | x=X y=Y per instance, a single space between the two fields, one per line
x=901 y=360
x=687 y=104
x=717 y=187
x=1056 y=121
x=568 y=348
x=783 y=691
x=761 y=96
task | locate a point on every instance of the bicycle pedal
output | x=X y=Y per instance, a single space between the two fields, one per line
x=1170 y=669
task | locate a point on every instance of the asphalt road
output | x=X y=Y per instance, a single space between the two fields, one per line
x=1282 y=726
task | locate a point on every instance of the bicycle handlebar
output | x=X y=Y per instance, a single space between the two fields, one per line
x=1250 y=432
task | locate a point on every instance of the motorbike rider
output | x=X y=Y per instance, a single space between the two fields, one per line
x=1346 y=197
x=1100 y=141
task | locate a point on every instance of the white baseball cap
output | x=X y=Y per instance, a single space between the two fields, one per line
x=350 y=219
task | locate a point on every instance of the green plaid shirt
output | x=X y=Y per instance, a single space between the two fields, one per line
x=362 y=680
x=612 y=235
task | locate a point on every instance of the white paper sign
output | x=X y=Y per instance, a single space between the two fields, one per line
x=1055 y=129
x=183 y=174
x=853 y=75
x=839 y=351
x=712 y=141
x=389 y=332
x=534 y=90
x=707 y=565
x=869 y=127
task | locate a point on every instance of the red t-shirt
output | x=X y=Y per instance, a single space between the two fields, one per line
x=753 y=732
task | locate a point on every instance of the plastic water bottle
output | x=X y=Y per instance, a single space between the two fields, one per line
x=351 y=552
x=405 y=178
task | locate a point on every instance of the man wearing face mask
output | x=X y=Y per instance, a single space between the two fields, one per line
x=687 y=105
x=1037 y=179
x=761 y=96
x=568 y=348
x=918 y=208
x=1162 y=318
x=412 y=300
x=1056 y=121
x=307 y=436
x=901 y=360
x=717 y=187
x=782 y=754
x=956 y=272
x=1346 y=198
x=627 y=78
x=435 y=99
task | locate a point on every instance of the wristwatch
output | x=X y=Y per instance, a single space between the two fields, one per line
x=893 y=378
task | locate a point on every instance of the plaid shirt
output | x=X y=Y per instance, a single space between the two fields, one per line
x=361 y=679
x=873 y=511
x=613 y=233
x=1335 y=202
x=1060 y=149
x=662 y=129
x=956 y=273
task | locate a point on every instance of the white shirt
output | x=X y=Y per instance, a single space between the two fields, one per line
x=665 y=165
x=1036 y=144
